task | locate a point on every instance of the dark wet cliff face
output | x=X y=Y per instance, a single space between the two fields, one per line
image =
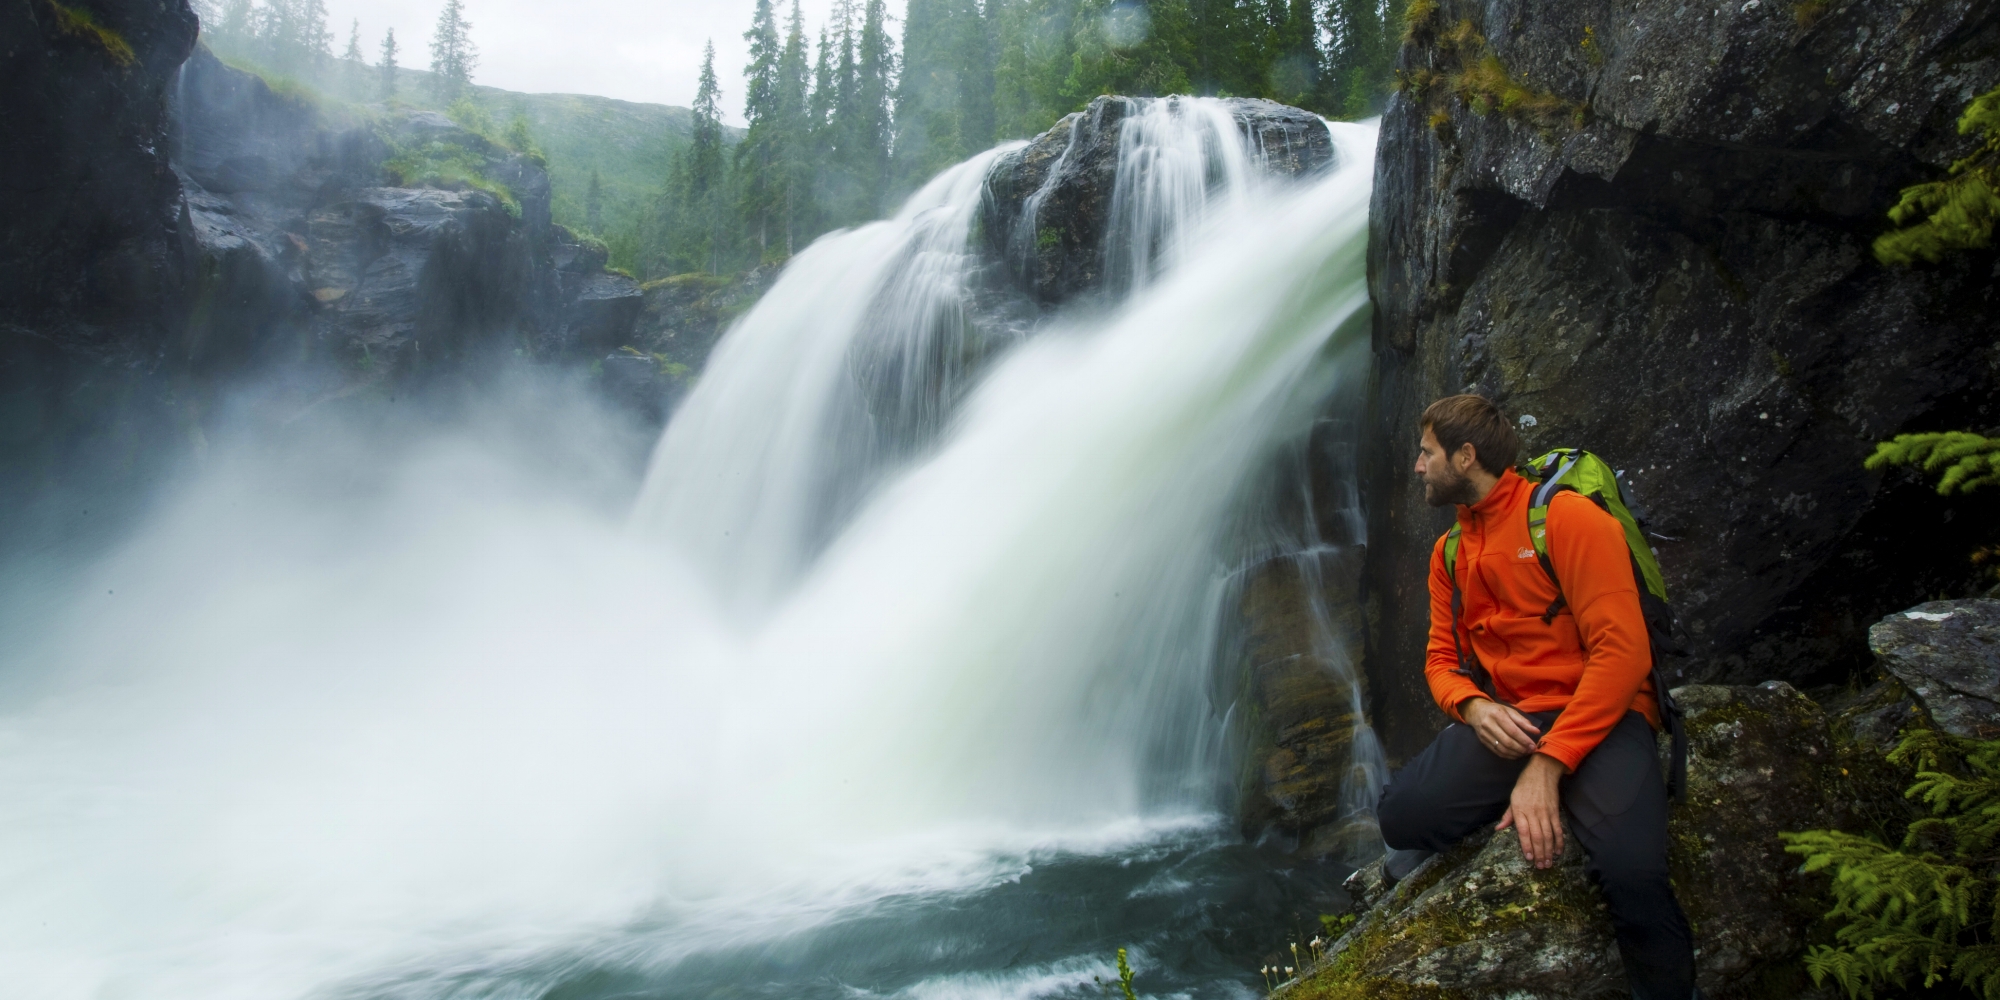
x=91 y=226
x=1655 y=244
x=93 y=241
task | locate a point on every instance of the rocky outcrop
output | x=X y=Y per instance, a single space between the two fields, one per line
x=1049 y=207
x=175 y=225
x=384 y=248
x=1644 y=228
x=1300 y=640
x=1478 y=922
x=1947 y=654
x=675 y=323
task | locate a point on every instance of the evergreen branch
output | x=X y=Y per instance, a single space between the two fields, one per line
x=1957 y=212
x=1927 y=911
x=1967 y=460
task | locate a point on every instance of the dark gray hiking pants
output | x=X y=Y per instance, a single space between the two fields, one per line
x=1616 y=803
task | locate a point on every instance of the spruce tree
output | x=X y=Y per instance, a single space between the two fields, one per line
x=453 y=56
x=353 y=64
x=315 y=35
x=704 y=165
x=352 y=55
x=757 y=164
x=972 y=38
x=794 y=129
x=387 y=67
x=874 y=68
x=1295 y=54
x=929 y=118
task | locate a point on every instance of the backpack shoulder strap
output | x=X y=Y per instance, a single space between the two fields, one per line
x=1468 y=663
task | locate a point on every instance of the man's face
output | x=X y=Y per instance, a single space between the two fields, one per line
x=1444 y=485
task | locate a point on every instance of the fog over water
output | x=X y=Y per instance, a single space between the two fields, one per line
x=458 y=701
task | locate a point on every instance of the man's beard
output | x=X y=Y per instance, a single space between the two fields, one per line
x=1450 y=488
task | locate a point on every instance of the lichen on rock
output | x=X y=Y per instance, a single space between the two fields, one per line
x=1478 y=922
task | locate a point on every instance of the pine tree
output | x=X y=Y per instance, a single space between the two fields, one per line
x=875 y=66
x=760 y=77
x=794 y=129
x=1958 y=212
x=1296 y=56
x=703 y=182
x=929 y=118
x=352 y=56
x=453 y=56
x=705 y=147
x=387 y=67
x=820 y=110
x=315 y=36
x=757 y=163
x=353 y=64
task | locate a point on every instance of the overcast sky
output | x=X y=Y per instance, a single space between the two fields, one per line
x=628 y=49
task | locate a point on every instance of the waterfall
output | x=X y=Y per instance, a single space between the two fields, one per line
x=906 y=607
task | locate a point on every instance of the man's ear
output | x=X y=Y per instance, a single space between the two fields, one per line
x=1470 y=456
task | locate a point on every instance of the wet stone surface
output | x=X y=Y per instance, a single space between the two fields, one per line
x=1947 y=653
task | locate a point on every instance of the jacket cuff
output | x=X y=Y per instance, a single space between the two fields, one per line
x=1564 y=753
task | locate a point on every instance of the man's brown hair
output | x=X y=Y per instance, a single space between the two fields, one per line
x=1456 y=420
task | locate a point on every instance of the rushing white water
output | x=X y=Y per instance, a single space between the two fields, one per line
x=405 y=718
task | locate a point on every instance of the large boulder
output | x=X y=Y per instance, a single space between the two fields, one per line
x=410 y=277
x=1049 y=205
x=1947 y=654
x=1645 y=228
x=1300 y=645
x=1478 y=922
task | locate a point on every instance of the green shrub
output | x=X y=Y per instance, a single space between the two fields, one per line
x=1927 y=909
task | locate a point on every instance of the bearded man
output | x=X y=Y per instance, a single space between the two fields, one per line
x=1560 y=720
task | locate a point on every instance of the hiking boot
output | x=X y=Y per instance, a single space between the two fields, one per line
x=1398 y=865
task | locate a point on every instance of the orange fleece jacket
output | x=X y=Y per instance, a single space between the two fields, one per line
x=1594 y=661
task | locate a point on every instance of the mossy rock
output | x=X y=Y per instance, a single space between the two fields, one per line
x=1478 y=922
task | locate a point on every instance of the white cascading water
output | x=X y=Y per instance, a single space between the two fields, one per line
x=414 y=732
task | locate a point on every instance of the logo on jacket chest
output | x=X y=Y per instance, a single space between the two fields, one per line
x=1525 y=553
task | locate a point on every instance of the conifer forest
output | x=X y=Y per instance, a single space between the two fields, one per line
x=843 y=119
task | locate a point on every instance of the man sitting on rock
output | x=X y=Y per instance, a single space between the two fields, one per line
x=1561 y=717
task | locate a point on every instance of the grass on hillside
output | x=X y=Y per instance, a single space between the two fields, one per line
x=629 y=145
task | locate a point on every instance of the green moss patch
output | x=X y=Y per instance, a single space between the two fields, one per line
x=450 y=166
x=82 y=25
x=1464 y=66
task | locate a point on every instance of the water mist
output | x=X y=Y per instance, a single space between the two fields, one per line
x=423 y=715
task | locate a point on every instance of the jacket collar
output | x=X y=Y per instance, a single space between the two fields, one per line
x=1505 y=493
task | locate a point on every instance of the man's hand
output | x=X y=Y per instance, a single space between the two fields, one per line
x=1501 y=728
x=1535 y=811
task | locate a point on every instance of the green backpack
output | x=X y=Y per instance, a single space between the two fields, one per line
x=1585 y=473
